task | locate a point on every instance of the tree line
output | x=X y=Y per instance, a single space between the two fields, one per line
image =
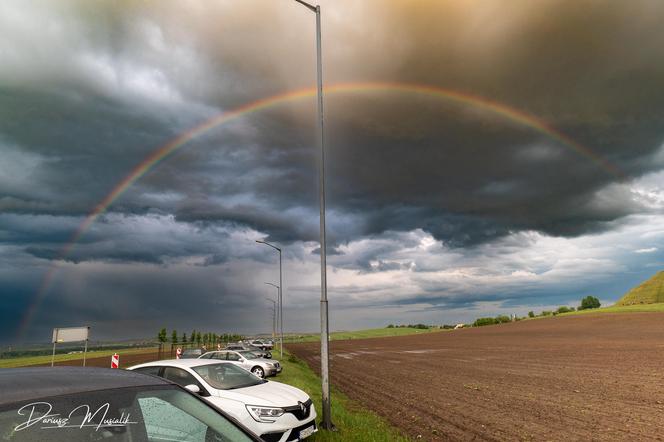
x=589 y=302
x=197 y=338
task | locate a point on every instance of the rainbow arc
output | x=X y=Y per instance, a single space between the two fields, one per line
x=173 y=145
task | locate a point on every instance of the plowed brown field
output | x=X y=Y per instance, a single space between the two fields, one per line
x=126 y=360
x=590 y=377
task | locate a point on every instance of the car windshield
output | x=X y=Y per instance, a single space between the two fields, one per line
x=127 y=414
x=227 y=376
x=249 y=354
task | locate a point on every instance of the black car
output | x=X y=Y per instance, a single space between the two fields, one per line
x=95 y=404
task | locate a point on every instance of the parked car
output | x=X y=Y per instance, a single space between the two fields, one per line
x=191 y=353
x=262 y=344
x=275 y=411
x=248 y=360
x=75 y=404
x=242 y=346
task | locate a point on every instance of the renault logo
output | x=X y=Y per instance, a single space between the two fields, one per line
x=302 y=407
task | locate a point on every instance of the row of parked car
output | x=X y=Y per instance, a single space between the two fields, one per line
x=259 y=347
x=218 y=396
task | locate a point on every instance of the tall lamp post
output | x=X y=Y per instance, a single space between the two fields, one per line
x=274 y=317
x=324 y=317
x=281 y=300
x=278 y=287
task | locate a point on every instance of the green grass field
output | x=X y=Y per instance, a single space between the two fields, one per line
x=363 y=334
x=352 y=421
x=45 y=359
x=620 y=309
x=648 y=292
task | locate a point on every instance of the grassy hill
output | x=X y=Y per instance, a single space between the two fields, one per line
x=649 y=292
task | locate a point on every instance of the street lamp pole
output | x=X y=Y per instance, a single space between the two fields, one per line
x=281 y=300
x=278 y=287
x=274 y=317
x=324 y=317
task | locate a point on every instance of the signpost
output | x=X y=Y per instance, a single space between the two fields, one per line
x=70 y=334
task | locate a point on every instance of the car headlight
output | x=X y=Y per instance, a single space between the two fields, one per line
x=264 y=414
x=269 y=364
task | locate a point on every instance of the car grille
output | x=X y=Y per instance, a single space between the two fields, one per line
x=272 y=437
x=276 y=364
x=297 y=411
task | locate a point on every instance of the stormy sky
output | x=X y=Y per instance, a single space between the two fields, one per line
x=439 y=210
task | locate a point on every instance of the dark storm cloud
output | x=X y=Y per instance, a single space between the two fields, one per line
x=396 y=161
x=466 y=176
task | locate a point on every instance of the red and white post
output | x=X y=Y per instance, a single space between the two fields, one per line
x=115 y=361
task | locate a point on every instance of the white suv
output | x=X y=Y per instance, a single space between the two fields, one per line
x=274 y=411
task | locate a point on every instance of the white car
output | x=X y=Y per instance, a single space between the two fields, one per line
x=248 y=360
x=274 y=411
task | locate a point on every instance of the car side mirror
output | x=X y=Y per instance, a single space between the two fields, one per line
x=193 y=388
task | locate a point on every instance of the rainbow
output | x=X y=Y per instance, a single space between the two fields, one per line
x=181 y=140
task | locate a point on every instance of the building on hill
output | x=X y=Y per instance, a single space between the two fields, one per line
x=648 y=292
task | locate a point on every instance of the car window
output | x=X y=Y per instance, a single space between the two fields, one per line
x=180 y=376
x=141 y=414
x=218 y=355
x=153 y=370
x=227 y=376
x=249 y=354
x=232 y=356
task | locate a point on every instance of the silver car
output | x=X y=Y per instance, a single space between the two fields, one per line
x=248 y=360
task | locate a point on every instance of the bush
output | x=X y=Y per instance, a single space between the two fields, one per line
x=564 y=309
x=531 y=314
x=502 y=319
x=589 y=302
x=547 y=313
x=479 y=322
x=390 y=326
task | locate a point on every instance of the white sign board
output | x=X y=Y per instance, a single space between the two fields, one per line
x=71 y=334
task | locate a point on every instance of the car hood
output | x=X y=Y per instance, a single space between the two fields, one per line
x=269 y=393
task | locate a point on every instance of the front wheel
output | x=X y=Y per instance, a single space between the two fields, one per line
x=258 y=371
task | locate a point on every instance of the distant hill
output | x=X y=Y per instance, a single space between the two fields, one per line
x=649 y=292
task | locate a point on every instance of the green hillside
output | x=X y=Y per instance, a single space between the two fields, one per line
x=649 y=292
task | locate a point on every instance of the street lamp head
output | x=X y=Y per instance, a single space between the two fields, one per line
x=312 y=7
x=260 y=241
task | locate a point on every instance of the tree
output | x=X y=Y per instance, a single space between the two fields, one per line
x=589 y=302
x=192 y=339
x=174 y=337
x=531 y=314
x=479 y=322
x=184 y=338
x=198 y=338
x=161 y=336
